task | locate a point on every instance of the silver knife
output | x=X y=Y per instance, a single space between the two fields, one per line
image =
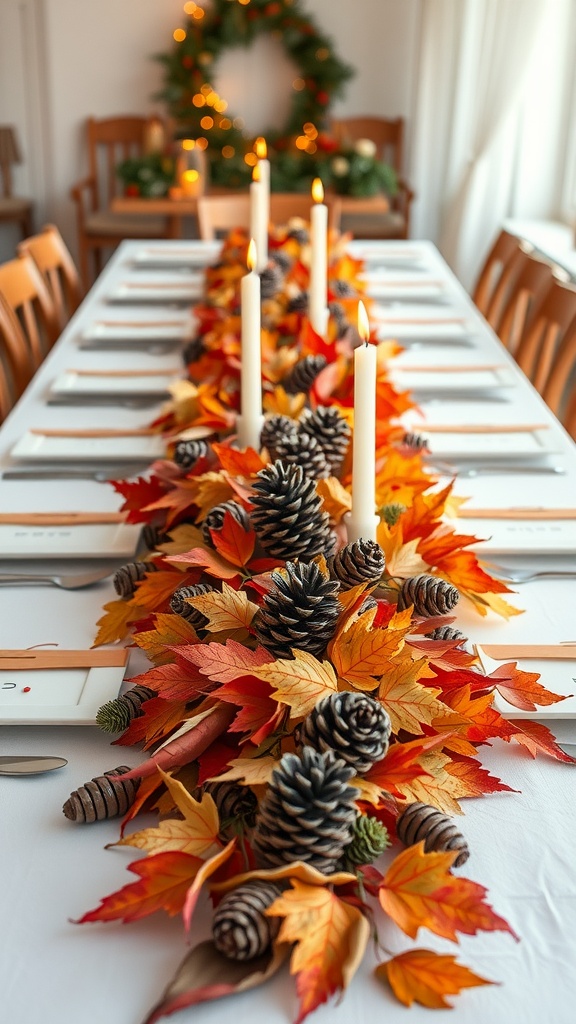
x=99 y=473
x=34 y=765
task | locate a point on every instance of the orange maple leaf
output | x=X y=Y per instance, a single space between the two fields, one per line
x=408 y=702
x=330 y=936
x=169 y=631
x=115 y=623
x=425 y=977
x=210 y=561
x=418 y=891
x=522 y=689
x=163 y=884
x=233 y=542
x=195 y=832
x=157 y=719
x=537 y=739
x=300 y=683
x=336 y=500
x=401 y=765
x=225 y=662
x=358 y=652
x=226 y=609
x=238 y=463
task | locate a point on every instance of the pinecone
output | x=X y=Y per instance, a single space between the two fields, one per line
x=215 y=518
x=302 y=449
x=106 y=796
x=179 y=605
x=116 y=715
x=282 y=259
x=332 y=433
x=447 y=633
x=417 y=442
x=391 y=513
x=186 y=453
x=307 y=813
x=299 y=234
x=275 y=429
x=127 y=576
x=271 y=281
x=287 y=515
x=421 y=821
x=298 y=303
x=300 y=611
x=355 y=726
x=342 y=288
x=241 y=930
x=369 y=840
x=338 y=314
x=303 y=374
x=360 y=562
x=430 y=595
x=152 y=536
x=236 y=806
x=192 y=351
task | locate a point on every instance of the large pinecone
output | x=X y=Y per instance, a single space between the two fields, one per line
x=282 y=258
x=275 y=429
x=307 y=813
x=303 y=374
x=302 y=449
x=236 y=806
x=127 y=576
x=355 y=726
x=416 y=442
x=241 y=930
x=362 y=561
x=106 y=796
x=298 y=303
x=179 y=605
x=215 y=518
x=271 y=280
x=186 y=453
x=422 y=821
x=447 y=633
x=153 y=535
x=430 y=595
x=332 y=433
x=301 y=610
x=370 y=839
x=342 y=288
x=192 y=350
x=115 y=715
x=287 y=515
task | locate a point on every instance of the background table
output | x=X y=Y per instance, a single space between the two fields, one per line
x=522 y=843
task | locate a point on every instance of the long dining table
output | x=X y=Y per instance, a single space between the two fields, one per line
x=522 y=842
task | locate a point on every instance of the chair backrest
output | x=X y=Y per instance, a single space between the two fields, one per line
x=9 y=154
x=56 y=265
x=15 y=358
x=222 y=213
x=110 y=141
x=24 y=290
x=547 y=353
x=533 y=279
x=502 y=252
x=387 y=133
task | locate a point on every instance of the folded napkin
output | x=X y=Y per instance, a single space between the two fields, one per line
x=547 y=652
x=517 y=513
x=481 y=428
x=60 y=518
x=127 y=373
x=140 y=432
x=427 y=368
x=13 y=660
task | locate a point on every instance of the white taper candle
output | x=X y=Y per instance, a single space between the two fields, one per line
x=318 y=302
x=250 y=421
x=362 y=520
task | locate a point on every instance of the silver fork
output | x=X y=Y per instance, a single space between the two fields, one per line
x=77 y=581
x=527 y=575
x=488 y=469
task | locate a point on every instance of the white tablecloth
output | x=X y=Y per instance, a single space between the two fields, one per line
x=522 y=843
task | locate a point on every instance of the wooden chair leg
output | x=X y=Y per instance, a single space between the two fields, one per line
x=84 y=263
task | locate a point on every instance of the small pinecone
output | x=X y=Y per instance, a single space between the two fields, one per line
x=298 y=303
x=342 y=288
x=370 y=839
x=302 y=449
x=215 y=518
x=241 y=930
x=235 y=803
x=391 y=513
x=338 y=314
x=307 y=813
x=271 y=280
x=106 y=796
x=282 y=259
x=126 y=577
x=355 y=726
x=179 y=605
x=447 y=633
x=152 y=536
x=332 y=433
x=417 y=442
x=116 y=715
x=300 y=611
x=362 y=561
x=192 y=351
x=300 y=235
x=303 y=374
x=430 y=595
x=186 y=453
x=275 y=429
x=287 y=514
x=421 y=821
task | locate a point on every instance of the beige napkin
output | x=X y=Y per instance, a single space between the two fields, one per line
x=60 y=518
x=125 y=373
x=140 y=432
x=37 y=659
x=481 y=428
x=448 y=369
x=548 y=652
x=517 y=513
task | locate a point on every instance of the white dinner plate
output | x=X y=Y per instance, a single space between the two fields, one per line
x=81 y=540
x=436 y=332
x=73 y=382
x=78 y=449
x=70 y=696
x=176 y=256
x=159 y=292
x=522 y=536
x=446 y=381
x=559 y=676
x=521 y=444
x=406 y=290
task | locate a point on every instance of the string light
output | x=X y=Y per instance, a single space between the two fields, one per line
x=251 y=159
x=228 y=152
x=207 y=123
x=179 y=35
x=188 y=143
x=199 y=100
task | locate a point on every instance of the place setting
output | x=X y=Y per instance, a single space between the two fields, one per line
x=130 y=388
x=156 y=290
x=154 y=334
x=175 y=255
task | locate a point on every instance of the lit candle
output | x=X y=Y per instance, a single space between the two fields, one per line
x=250 y=421
x=190 y=183
x=362 y=521
x=263 y=165
x=258 y=215
x=318 y=306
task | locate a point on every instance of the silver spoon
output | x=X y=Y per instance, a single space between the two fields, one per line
x=34 y=765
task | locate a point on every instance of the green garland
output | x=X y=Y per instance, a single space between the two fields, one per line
x=200 y=113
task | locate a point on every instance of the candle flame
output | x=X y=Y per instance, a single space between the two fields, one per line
x=256 y=173
x=190 y=176
x=260 y=148
x=363 y=323
x=251 y=258
x=317 y=190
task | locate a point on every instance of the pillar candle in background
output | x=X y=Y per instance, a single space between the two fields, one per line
x=261 y=151
x=250 y=420
x=362 y=521
x=258 y=214
x=318 y=299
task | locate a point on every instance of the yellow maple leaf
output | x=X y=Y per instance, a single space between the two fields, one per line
x=336 y=500
x=403 y=560
x=252 y=771
x=169 y=630
x=492 y=602
x=426 y=977
x=278 y=401
x=196 y=833
x=299 y=683
x=182 y=538
x=358 y=652
x=226 y=610
x=298 y=869
x=184 y=404
x=211 y=489
x=408 y=702
x=438 y=787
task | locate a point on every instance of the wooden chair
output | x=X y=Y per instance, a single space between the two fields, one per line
x=56 y=265
x=547 y=351
x=12 y=208
x=388 y=135
x=110 y=141
x=24 y=290
x=221 y=213
x=16 y=367
x=516 y=303
x=502 y=252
